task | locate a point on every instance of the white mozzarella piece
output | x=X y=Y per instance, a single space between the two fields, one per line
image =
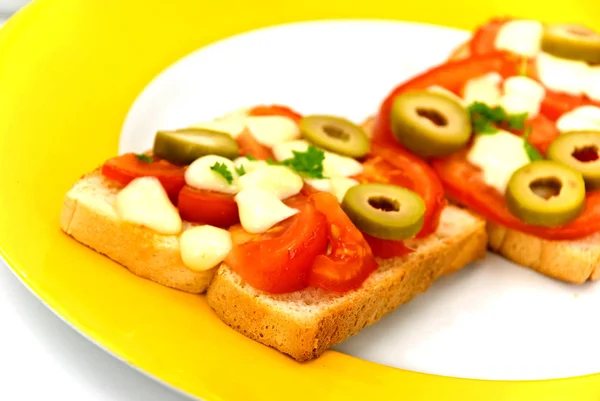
x=498 y=156
x=248 y=165
x=200 y=175
x=584 y=118
x=522 y=37
x=279 y=180
x=272 y=130
x=233 y=123
x=592 y=85
x=285 y=150
x=562 y=75
x=336 y=165
x=145 y=202
x=320 y=184
x=261 y=209
x=337 y=186
x=341 y=185
x=485 y=89
x=204 y=247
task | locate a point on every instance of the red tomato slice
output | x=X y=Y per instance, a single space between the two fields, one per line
x=452 y=76
x=390 y=163
x=207 y=207
x=127 y=167
x=250 y=146
x=464 y=184
x=543 y=132
x=350 y=260
x=275 y=110
x=279 y=260
x=382 y=248
x=484 y=38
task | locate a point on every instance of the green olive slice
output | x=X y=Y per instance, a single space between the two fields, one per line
x=430 y=124
x=336 y=135
x=186 y=145
x=546 y=193
x=576 y=42
x=384 y=211
x=579 y=150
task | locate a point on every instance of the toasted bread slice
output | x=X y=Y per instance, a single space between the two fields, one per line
x=305 y=323
x=88 y=216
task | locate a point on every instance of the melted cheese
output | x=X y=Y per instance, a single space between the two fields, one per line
x=584 y=118
x=334 y=165
x=272 y=130
x=337 y=186
x=562 y=75
x=279 y=180
x=592 y=86
x=249 y=165
x=485 y=89
x=522 y=37
x=233 y=123
x=261 y=209
x=498 y=156
x=199 y=175
x=204 y=247
x=145 y=202
x=522 y=95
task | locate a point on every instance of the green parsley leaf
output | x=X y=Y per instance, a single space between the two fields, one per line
x=221 y=169
x=486 y=119
x=272 y=162
x=240 y=170
x=532 y=152
x=517 y=121
x=308 y=164
x=251 y=158
x=144 y=158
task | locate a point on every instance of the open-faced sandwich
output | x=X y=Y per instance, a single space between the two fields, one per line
x=303 y=230
x=511 y=125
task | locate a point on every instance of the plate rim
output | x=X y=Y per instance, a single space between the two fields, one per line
x=17 y=24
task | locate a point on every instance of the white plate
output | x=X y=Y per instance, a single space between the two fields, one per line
x=492 y=320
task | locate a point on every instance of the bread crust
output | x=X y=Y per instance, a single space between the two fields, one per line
x=87 y=215
x=574 y=261
x=304 y=335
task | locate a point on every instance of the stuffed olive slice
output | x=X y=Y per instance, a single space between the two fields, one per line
x=579 y=150
x=186 y=145
x=430 y=124
x=546 y=193
x=385 y=211
x=571 y=41
x=336 y=135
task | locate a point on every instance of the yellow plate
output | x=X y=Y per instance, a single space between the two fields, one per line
x=69 y=71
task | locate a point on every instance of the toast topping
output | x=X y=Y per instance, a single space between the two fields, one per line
x=279 y=180
x=213 y=173
x=145 y=202
x=584 y=118
x=522 y=37
x=261 y=209
x=272 y=130
x=204 y=247
x=498 y=156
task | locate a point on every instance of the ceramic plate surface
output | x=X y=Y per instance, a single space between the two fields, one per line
x=72 y=79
